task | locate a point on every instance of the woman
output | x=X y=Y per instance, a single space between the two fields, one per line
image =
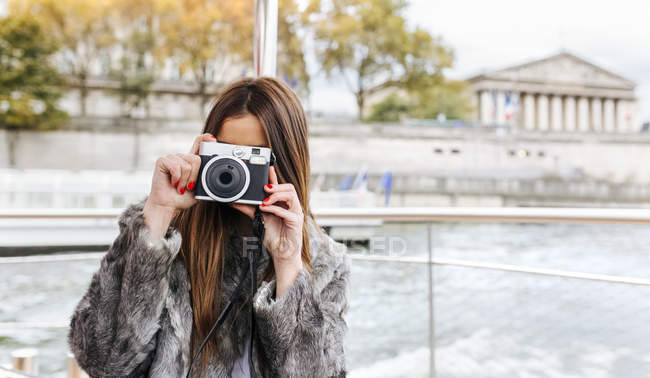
x=177 y=260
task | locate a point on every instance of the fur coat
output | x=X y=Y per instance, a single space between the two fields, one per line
x=135 y=319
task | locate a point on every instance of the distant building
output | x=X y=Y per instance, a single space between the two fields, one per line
x=558 y=93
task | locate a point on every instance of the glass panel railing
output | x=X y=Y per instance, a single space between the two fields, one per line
x=557 y=300
x=499 y=299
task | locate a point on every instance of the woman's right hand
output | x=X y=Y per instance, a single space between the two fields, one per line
x=174 y=178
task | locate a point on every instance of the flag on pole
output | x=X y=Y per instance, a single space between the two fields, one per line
x=509 y=106
x=347 y=182
x=386 y=184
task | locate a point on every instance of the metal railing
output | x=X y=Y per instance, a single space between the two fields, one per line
x=401 y=214
x=426 y=215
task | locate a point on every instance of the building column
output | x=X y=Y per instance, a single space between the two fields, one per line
x=486 y=108
x=529 y=111
x=556 y=113
x=542 y=112
x=609 y=121
x=570 y=113
x=583 y=114
x=622 y=116
x=501 y=108
x=596 y=114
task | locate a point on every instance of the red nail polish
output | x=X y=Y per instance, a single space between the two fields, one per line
x=182 y=190
x=190 y=186
x=176 y=184
x=213 y=137
x=266 y=199
x=262 y=205
x=269 y=186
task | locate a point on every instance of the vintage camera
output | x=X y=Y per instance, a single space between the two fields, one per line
x=232 y=173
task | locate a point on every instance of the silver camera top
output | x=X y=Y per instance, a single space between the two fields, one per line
x=240 y=152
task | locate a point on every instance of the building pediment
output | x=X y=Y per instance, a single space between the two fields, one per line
x=563 y=68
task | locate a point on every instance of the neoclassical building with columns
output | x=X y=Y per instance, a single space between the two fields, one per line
x=560 y=93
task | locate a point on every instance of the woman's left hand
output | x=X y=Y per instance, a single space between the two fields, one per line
x=283 y=221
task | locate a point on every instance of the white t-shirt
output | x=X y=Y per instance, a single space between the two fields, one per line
x=242 y=369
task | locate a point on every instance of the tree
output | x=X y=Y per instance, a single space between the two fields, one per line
x=29 y=85
x=291 y=59
x=369 y=43
x=207 y=37
x=135 y=68
x=391 y=109
x=449 y=98
x=212 y=40
x=81 y=29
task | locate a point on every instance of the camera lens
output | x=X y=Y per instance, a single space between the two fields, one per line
x=225 y=178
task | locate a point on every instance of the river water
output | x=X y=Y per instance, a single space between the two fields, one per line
x=487 y=323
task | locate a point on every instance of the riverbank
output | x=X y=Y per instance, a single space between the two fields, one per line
x=430 y=166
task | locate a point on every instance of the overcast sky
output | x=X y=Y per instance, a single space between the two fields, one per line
x=498 y=33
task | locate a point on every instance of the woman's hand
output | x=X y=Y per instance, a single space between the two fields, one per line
x=174 y=178
x=283 y=221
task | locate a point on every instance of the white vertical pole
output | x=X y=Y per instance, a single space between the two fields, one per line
x=4 y=8
x=266 y=37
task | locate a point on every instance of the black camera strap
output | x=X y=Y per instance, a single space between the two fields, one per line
x=258 y=231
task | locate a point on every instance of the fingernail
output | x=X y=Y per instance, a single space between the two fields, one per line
x=262 y=205
x=269 y=186
x=176 y=184
x=213 y=137
x=266 y=199
x=190 y=186
x=182 y=190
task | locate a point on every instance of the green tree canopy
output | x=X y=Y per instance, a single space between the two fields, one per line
x=136 y=68
x=81 y=29
x=450 y=97
x=29 y=85
x=205 y=37
x=291 y=59
x=369 y=43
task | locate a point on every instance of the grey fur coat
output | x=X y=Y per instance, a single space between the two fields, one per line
x=135 y=319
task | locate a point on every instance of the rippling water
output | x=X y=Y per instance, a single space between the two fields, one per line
x=487 y=323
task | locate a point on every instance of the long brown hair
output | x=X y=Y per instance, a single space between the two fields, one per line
x=203 y=226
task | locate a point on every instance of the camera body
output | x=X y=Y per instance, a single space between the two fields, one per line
x=233 y=173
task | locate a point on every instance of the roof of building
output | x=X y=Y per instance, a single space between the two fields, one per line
x=564 y=68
